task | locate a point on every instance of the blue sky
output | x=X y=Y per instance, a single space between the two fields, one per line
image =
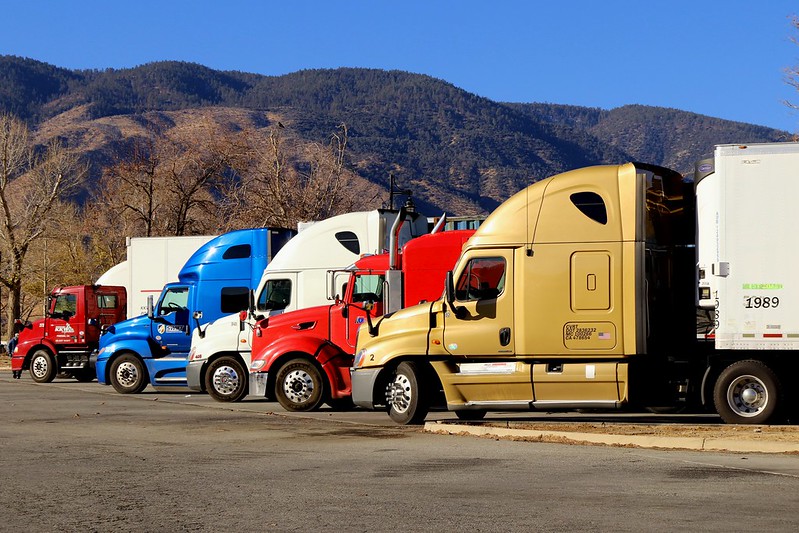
x=719 y=58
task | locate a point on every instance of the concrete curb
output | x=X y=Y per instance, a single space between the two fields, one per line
x=639 y=441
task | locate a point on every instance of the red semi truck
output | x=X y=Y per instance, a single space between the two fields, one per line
x=62 y=341
x=302 y=358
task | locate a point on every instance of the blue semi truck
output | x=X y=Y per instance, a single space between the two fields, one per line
x=217 y=278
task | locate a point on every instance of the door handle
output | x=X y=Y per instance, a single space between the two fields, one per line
x=504 y=336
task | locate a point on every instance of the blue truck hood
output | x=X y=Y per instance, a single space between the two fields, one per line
x=139 y=326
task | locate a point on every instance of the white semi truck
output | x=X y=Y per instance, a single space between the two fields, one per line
x=296 y=278
x=583 y=291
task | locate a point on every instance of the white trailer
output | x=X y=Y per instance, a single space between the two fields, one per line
x=296 y=278
x=152 y=263
x=747 y=223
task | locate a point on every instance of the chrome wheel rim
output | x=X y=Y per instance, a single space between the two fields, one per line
x=747 y=396
x=225 y=380
x=40 y=366
x=127 y=374
x=298 y=386
x=398 y=393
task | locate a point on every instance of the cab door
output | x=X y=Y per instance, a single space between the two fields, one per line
x=364 y=289
x=65 y=325
x=482 y=324
x=172 y=332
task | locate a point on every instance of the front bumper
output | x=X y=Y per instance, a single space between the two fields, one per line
x=194 y=375
x=258 y=384
x=363 y=386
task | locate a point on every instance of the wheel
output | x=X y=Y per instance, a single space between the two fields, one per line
x=406 y=397
x=128 y=375
x=471 y=414
x=85 y=375
x=226 y=380
x=747 y=392
x=299 y=386
x=42 y=367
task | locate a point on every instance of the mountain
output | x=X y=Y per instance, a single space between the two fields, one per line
x=458 y=152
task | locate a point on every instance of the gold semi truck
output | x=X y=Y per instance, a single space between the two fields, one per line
x=583 y=291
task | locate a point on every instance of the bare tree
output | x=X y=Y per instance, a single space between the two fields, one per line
x=32 y=183
x=284 y=181
x=168 y=183
x=131 y=185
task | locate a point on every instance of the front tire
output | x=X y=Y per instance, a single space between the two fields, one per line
x=128 y=375
x=42 y=367
x=748 y=392
x=406 y=396
x=226 y=380
x=299 y=386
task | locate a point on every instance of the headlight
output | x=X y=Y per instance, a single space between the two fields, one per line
x=359 y=357
x=257 y=365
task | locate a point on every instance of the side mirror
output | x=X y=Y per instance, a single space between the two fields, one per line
x=449 y=292
x=197 y=315
x=150 y=312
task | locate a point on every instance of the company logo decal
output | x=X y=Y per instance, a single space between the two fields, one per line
x=169 y=328
x=66 y=328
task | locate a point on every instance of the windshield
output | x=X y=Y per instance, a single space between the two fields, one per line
x=65 y=305
x=368 y=288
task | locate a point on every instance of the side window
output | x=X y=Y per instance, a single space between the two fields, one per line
x=174 y=300
x=482 y=279
x=239 y=251
x=276 y=295
x=235 y=299
x=349 y=240
x=107 y=301
x=368 y=288
x=591 y=205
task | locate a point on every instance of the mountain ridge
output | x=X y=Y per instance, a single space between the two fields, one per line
x=457 y=151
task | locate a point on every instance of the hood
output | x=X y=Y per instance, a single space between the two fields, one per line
x=139 y=325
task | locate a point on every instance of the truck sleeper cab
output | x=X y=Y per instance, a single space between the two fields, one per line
x=217 y=278
x=569 y=289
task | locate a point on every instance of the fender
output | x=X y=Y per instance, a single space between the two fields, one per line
x=108 y=353
x=337 y=368
x=334 y=362
x=32 y=347
x=310 y=344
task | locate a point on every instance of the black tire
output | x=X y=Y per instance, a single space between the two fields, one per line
x=85 y=375
x=471 y=414
x=128 y=374
x=226 y=380
x=43 y=368
x=748 y=392
x=299 y=386
x=407 y=399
